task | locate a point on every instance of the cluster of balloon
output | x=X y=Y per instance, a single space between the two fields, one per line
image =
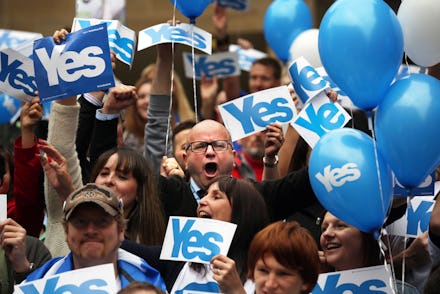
x=419 y=20
x=357 y=41
x=284 y=20
x=361 y=48
x=348 y=182
x=407 y=125
x=191 y=8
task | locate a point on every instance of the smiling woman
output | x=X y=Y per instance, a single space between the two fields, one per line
x=345 y=247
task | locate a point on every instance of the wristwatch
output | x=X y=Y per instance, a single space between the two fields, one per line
x=270 y=164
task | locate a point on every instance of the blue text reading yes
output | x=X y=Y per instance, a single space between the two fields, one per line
x=91 y=287
x=211 y=68
x=17 y=77
x=175 y=34
x=186 y=239
x=261 y=114
x=367 y=287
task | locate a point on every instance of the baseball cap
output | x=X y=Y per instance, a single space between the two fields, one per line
x=92 y=193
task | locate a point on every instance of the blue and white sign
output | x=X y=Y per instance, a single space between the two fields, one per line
x=121 y=39
x=96 y=279
x=319 y=117
x=3 y=207
x=8 y=108
x=13 y=39
x=306 y=80
x=416 y=219
x=79 y=65
x=424 y=189
x=196 y=239
x=374 y=280
x=240 y=5
x=246 y=57
x=343 y=99
x=219 y=64
x=183 y=33
x=250 y=114
x=17 y=77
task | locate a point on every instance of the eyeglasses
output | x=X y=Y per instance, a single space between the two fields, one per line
x=201 y=146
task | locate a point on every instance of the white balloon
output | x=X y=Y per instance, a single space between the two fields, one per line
x=306 y=44
x=420 y=21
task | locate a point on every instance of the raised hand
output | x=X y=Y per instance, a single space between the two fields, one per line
x=55 y=167
x=119 y=98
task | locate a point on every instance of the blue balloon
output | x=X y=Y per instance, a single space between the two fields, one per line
x=407 y=125
x=284 y=20
x=191 y=8
x=9 y=106
x=361 y=47
x=347 y=181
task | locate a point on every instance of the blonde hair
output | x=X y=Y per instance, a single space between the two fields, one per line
x=181 y=105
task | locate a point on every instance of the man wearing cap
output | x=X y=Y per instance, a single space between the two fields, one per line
x=94 y=227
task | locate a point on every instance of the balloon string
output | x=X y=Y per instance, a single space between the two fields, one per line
x=194 y=74
x=387 y=247
x=376 y=158
x=170 y=109
x=405 y=239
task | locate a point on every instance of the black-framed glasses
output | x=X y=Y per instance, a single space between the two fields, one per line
x=202 y=146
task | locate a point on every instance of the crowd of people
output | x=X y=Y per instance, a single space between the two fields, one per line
x=108 y=187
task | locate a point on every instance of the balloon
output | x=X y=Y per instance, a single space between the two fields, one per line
x=306 y=45
x=191 y=8
x=420 y=22
x=361 y=47
x=407 y=128
x=284 y=20
x=347 y=181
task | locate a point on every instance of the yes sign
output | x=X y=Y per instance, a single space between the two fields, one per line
x=220 y=65
x=369 y=280
x=319 y=117
x=416 y=220
x=121 y=39
x=306 y=80
x=181 y=33
x=196 y=239
x=252 y=113
x=94 y=280
x=81 y=64
x=17 y=77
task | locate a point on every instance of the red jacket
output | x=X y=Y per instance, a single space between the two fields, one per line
x=27 y=204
